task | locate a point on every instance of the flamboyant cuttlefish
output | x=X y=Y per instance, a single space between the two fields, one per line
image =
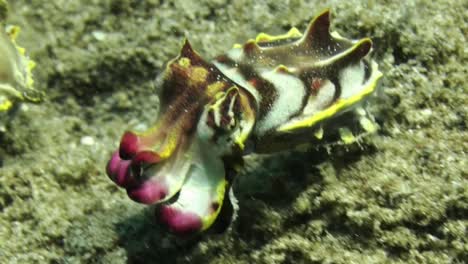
x=271 y=93
x=16 y=83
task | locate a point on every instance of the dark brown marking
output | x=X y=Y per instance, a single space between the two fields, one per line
x=214 y=206
x=266 y=89
x=251 y=49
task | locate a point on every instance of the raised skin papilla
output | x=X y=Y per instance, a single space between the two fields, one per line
x=274 y=91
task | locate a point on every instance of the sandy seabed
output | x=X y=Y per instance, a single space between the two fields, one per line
x=399 y=196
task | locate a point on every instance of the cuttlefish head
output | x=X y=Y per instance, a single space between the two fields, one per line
x=179 y=164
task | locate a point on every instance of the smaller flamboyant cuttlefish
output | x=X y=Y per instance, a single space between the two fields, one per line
x=16 y=82
x=271 y=93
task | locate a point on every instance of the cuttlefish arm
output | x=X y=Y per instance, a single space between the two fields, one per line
x=179 y=164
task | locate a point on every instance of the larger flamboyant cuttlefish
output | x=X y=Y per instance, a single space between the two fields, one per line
x=271 y=93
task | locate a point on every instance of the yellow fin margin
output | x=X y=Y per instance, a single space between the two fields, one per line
x=208 y=221
x=292 y=33
x=337 y=106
